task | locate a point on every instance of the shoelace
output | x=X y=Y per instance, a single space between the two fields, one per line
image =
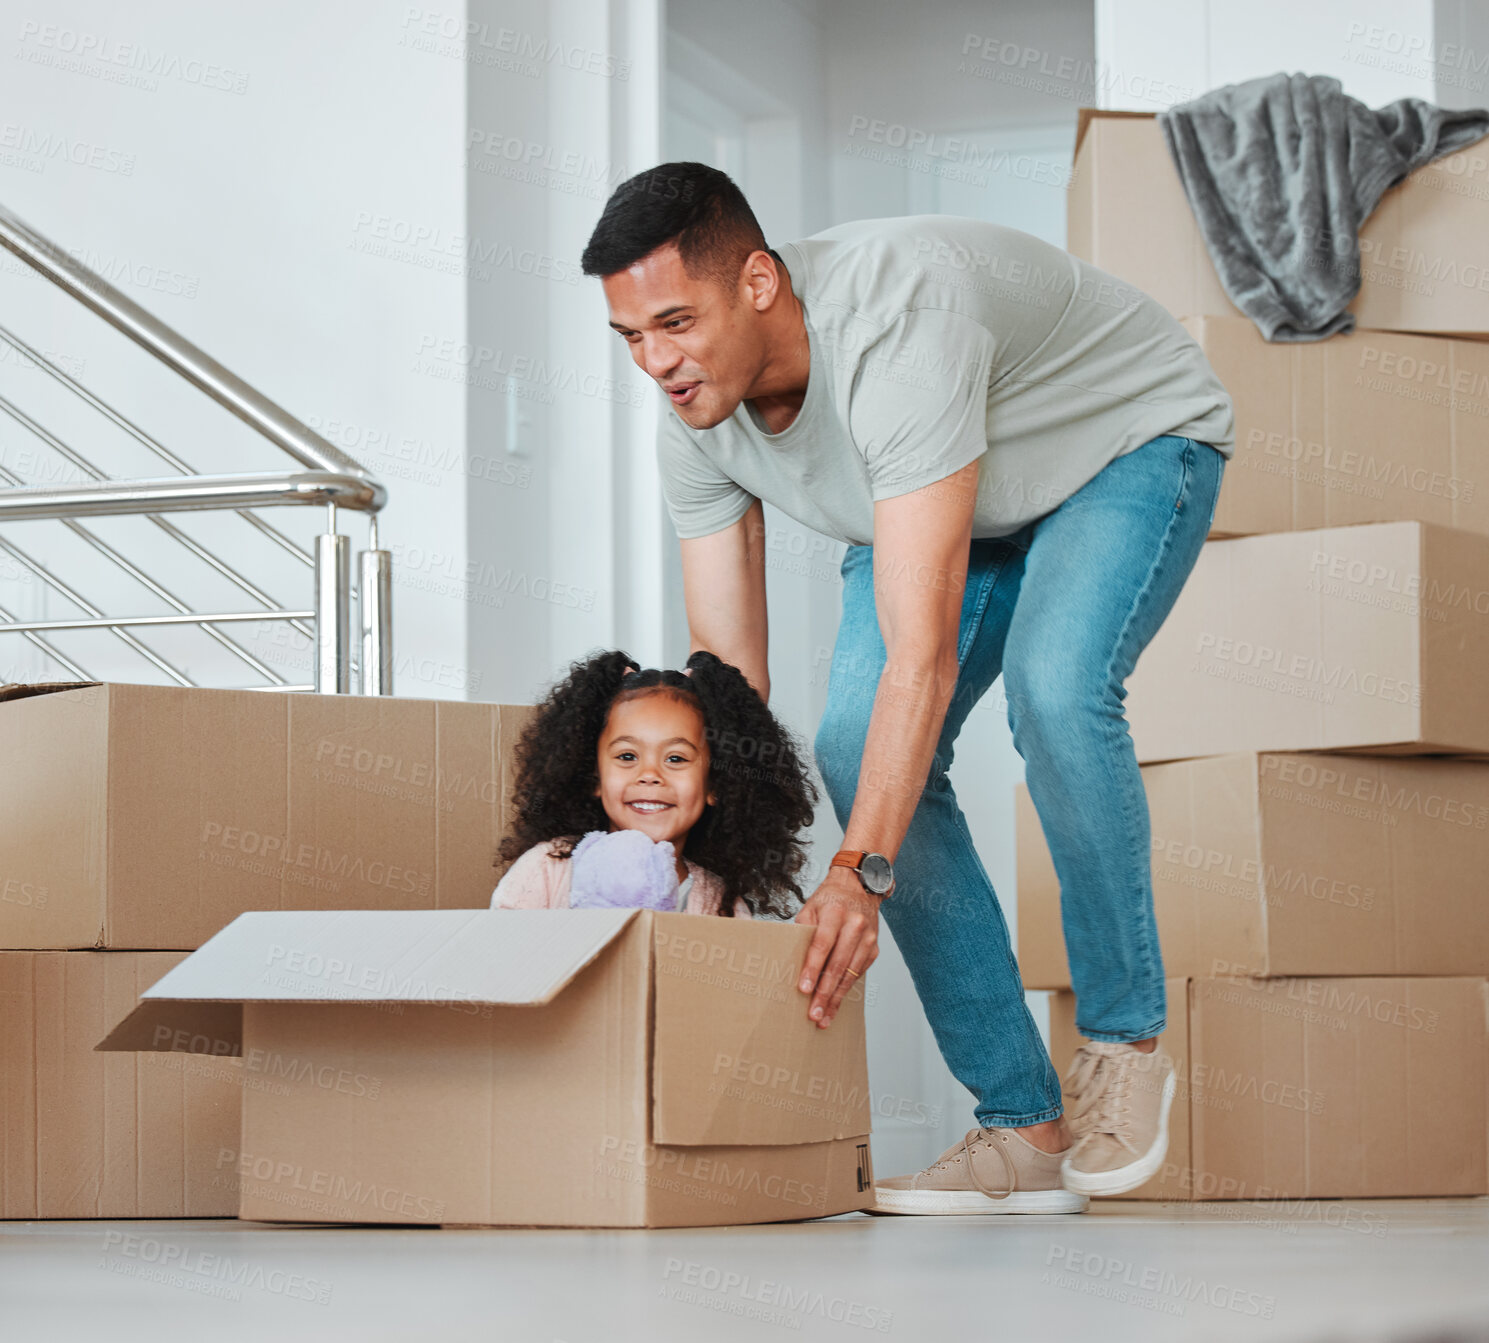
x=997 y=1144
x=1107 y=1077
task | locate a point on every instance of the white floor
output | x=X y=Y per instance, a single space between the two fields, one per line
x=1383 y=1270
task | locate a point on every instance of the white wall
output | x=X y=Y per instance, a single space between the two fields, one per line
x=1157 y=52
x=260 y=219
x=566 y=547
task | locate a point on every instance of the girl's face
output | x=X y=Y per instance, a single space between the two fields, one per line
x=653 y=765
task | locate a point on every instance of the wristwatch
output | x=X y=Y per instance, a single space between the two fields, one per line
x=874 y=870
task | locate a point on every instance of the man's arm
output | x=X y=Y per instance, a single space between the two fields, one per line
x=921 y=540
x=723 y=582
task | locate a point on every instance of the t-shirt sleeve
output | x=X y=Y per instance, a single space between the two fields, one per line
x=700 y=497
x=918 y=408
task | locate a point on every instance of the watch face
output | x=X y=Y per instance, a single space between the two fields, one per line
x=878 y=875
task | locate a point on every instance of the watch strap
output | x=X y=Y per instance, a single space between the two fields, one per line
x=853 y=859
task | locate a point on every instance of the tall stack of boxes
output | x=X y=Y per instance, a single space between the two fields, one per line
x=138 y=821
x=1311 y=719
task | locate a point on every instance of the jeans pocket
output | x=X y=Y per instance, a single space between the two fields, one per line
x=1186 y=473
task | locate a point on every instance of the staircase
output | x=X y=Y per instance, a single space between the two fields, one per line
x=319 y=475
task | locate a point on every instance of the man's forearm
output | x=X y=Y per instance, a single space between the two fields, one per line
x=909 y=710
x=754 y=669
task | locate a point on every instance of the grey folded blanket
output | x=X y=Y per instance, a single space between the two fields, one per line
x=1282 y=171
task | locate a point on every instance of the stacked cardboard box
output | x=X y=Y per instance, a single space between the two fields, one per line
x=1310 y=715
x=135 y=823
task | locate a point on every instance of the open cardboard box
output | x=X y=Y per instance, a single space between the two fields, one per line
x=524 y=1068
x=1422 y=260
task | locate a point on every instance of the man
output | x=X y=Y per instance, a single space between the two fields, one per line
x=1023 y=456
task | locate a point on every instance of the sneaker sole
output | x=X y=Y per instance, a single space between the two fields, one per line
x=961 y=1202
x=1105 y=1183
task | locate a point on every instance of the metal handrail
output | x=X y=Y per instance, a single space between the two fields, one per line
x=334 y=480
x=179 y=494
x=119 y=622
x=170 y=458
x=172 y=349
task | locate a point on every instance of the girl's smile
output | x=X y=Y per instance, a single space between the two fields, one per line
x=653 y=767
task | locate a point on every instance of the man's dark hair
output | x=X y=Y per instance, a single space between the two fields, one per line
x=698 y=206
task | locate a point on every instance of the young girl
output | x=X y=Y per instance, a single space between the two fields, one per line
x=693 y=761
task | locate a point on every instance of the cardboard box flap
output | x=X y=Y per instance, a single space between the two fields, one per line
x=1087 y=115
x=510 y=957
x=735 y=1060
x=24 y=690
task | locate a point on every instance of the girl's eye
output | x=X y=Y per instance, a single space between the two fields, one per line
x=681 y=758
x=626 y=755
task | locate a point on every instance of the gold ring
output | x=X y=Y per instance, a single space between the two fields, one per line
x=851 y=971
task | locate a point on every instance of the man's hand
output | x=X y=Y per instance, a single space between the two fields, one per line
x=847 y=921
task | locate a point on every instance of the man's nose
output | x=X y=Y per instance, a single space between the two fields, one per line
x=659 y=356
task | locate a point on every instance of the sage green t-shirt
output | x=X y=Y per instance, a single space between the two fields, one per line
x=937 y=340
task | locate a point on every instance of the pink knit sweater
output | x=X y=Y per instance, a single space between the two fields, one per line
x=538 y=880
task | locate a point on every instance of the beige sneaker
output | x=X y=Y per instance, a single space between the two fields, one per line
x=1117 y=1106
x=990 y=1170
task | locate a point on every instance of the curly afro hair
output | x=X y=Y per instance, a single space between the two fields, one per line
x=764 y=796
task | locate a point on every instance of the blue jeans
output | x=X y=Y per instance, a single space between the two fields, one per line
x=1062 y=609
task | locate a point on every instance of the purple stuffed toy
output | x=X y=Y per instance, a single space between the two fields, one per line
x=623 y=869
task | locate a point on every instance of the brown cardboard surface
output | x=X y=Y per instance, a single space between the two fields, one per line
x=1371 y=638
x=1339 y=1088
x=1326 y=1088
x=1290 y=865
x=1065 y=1039
x=1374 y=426
x=147 y=817
x=526 y=1067
x=1422 y=263
x=722 y=1077
x=85 y=1134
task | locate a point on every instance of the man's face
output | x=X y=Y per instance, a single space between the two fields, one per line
x=700 y=340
